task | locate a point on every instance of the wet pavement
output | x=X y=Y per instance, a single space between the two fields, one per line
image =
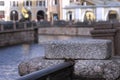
x=11 y=56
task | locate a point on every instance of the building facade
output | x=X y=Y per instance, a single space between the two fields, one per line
x=91 y=11
x=77 y=10
x=39 y=9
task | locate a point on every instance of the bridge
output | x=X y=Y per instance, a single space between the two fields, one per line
x=27 y=32
x=17 y=33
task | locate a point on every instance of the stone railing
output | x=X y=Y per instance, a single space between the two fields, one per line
x=92 y=58
x=13 y=26
x=109 y=31
x=12 y=33
x=16 y=26
x=46 y=30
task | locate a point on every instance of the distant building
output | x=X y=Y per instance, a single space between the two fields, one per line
x=74 y=10
x=88 y=10
x=39 y=9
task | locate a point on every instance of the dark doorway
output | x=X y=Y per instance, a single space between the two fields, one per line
x=55 y=16
x=112 y=15
x=70 y=15
x=40 y=15
x=14 y=15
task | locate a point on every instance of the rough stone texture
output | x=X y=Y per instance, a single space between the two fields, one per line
x=107 y=69
x=58 y=30
x=56 y=33
x=16 y=37
x=78 y=49
x=45 y=38
x=116 y=58
x=36 y=64
x=84 y=31
x=117 y=41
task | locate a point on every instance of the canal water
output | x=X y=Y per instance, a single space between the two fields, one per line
x=11 y=56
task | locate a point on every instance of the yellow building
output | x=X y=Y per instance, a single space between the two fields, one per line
x=38 y=9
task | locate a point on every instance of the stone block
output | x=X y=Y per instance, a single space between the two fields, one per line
x=36 y=64
x=58 y=31
x=81 y=48
x=84 y=31
x=105 y=69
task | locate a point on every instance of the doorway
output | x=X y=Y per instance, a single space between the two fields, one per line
x=40 y=15
x=14 y=15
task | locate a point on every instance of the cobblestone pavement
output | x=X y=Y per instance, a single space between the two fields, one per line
x=10 y=57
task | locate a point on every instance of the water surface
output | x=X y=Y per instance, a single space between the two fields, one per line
x=11 y=56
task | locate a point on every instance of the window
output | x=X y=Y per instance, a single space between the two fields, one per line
x=56 y=2
x=71 y=1
x=40 y=3
x=36 y=3
x=30 y=3
x=17 y=4
x=14 y=3
x=27 y=3
x=10 y=3
x=24 y=3
x=2 y=3
x=2 y=14
x=43 y=3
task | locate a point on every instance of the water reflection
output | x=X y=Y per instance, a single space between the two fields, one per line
x=26 y=51
x=10 y=57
